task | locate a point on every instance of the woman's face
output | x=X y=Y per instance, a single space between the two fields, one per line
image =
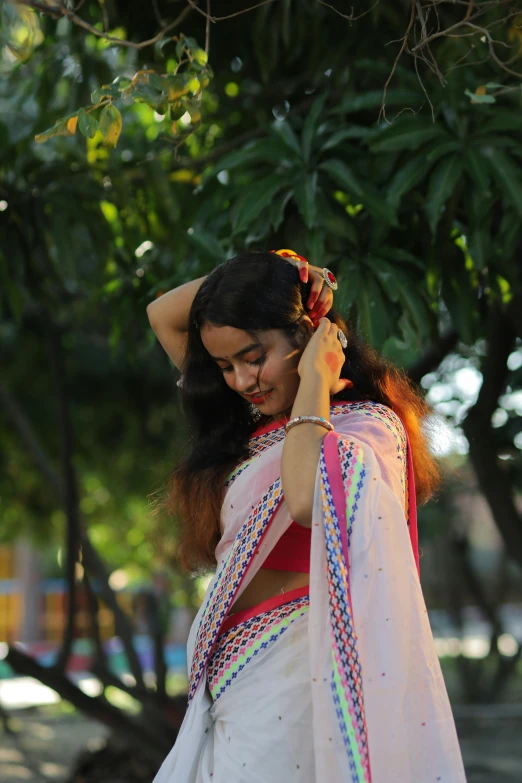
x=263 y=369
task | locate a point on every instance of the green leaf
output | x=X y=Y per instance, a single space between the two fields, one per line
x=408 y=133
x=305 y=194
x=145 y=93
x=373 y=312
x=409 y=175
x=501 y=120
x=258 y=196
x=415 y=306
x=353 y=132
x=373 y=100
x=285 y=132
x=106 y=91
x=508 y=175
x=207 y=245
x=277 y=210
x=310 y=126
x=350 y=281
x=265 y=151
x=110 y=125
x=480 y=98
x=337 y=226
x=477 y=169
x=386 y=274
x=66 y=126
x=87 y=123
x=479 y=246
x=315 y=247
x=414 y=170
x=339 y=172
x=441 y=185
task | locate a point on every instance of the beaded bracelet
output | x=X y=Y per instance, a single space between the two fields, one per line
x=309 y=420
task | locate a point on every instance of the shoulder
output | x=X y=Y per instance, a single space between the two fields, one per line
x=372 y=418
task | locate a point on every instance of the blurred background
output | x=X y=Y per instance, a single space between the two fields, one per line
x=382 y=142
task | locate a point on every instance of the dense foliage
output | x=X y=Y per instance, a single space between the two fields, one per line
x=417 y=210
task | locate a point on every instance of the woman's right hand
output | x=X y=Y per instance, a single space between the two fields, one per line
x=320 y=299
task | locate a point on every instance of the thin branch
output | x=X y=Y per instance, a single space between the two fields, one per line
x=492 y=52
x=382 y=111
x=350 y=17
x=214 y=19
x=159 y=18
x=57 y=11
x=207 y=29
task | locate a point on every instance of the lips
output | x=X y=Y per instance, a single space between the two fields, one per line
x=261 y=398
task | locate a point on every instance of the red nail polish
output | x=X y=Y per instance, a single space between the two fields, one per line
x=302 y=274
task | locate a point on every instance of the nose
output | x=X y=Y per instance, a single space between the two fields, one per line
x=245 y=380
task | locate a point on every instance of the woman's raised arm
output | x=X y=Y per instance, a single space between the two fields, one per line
x=168 y=316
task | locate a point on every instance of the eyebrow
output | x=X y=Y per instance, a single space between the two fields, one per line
x=239 y=353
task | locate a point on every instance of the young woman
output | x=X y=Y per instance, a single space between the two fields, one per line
x=311 y=659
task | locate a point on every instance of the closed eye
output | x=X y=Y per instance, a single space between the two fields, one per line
x=254 y=362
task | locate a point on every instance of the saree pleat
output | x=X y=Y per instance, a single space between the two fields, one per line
x=344 y=687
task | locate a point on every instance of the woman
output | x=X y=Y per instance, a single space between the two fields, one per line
x=311 y=658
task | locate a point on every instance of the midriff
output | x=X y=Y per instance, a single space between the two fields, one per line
x=266 y=584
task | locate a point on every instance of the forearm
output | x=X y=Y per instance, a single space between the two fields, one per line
x=302 y=449
x=171 y=311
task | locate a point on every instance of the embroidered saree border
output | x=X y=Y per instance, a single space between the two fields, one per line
x=340 y=494
x=260 y=443
x=238 y=646
x=229 y=579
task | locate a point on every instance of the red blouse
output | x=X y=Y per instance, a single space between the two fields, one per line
x=292 y=551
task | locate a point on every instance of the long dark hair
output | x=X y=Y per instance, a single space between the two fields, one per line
x=258 y=291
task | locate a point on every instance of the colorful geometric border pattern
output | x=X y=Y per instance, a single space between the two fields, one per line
x=239 y=645
x=256 y=446
x=396 y=427
x=230 y=578
x=346 y=681
x=260 y=443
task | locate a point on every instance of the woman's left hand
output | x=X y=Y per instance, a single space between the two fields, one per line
x=320 y=299
x=324 y=357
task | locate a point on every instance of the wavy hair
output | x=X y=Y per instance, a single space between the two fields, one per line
x=258 y=291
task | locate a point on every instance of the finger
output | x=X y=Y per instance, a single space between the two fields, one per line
x=323 y=324
x=324 y=302
x=315 y=291
x=342 y=384
x=303 y=271
x=316 y=316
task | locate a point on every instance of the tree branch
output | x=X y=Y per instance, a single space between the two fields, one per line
x=95 y=706
x=494 y=480
x=71 y=498
x=20 y=423
x=207 y=15
x=58 y=11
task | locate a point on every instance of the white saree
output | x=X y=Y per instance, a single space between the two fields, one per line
x=349 y=686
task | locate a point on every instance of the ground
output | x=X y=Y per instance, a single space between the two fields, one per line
x=44 y=745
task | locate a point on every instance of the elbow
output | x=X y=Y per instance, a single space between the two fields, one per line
x=151 y=314
x=301 y=513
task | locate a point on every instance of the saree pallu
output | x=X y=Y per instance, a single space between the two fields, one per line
x=344 y=686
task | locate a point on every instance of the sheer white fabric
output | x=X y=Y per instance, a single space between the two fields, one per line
x=280 y=718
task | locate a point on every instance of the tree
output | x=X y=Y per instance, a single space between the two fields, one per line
x=396 y=167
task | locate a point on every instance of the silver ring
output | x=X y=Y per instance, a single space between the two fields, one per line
x=342 y=338
x=329 y=279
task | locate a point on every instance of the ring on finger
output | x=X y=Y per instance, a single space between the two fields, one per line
x=329 y=279
x=342 y=338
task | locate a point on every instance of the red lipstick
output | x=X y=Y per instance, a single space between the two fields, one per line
x=260 y=399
